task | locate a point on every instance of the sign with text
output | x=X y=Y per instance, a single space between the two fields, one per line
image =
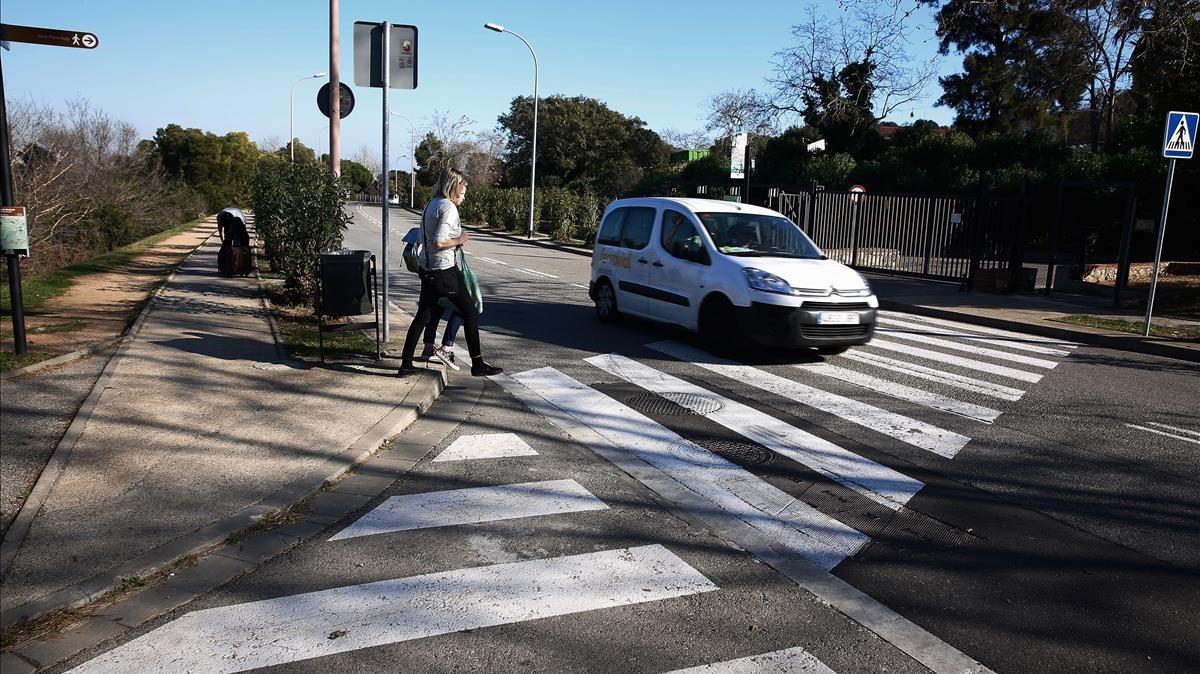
x=54 y=37
x=737 y=157
x=1179 y=139
x=368 y=55
x=14 y=235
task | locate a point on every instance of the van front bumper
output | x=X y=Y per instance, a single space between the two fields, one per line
x=783 y=326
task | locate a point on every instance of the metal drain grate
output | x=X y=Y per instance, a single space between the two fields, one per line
x=673 y=404
x=742 y=453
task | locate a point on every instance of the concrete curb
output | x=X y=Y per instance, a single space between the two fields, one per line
x=19 y=528
x=1133 y=343
x=60 y=360
x=403 y=415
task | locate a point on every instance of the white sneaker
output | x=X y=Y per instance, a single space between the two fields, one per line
x=445 y=355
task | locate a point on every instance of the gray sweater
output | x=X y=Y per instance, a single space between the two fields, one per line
x=439 y=223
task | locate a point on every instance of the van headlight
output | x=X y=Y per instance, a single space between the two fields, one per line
x=766 y=282
x=863 y=291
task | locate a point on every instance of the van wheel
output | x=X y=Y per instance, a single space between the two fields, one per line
x=719 y=329
x=606 y=303
x=832 y=350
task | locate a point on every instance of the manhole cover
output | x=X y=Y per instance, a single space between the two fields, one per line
x=742 y=453
x=670 y=404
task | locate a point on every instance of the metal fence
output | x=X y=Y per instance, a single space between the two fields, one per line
x=932 y=236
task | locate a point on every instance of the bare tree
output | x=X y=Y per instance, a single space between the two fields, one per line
x=686 y=140
x=88 y=184
x=732 y=112
x=859 y=63
x=368 y=158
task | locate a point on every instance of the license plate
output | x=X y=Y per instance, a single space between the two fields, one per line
x=837 y=318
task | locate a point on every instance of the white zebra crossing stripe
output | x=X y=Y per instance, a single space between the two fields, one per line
x=873 y=480
x=929 y=374
x=792 y=524
x=471 y=506
x=300 y=627
x=969 y=348
x=1008 y=334
x=910 y=431
x=999 y=341
x=1169 y=435
x=789 y=661
x=489 y=446
x=949 y=359
x=914 y=395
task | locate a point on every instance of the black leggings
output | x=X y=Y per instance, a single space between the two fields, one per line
x=434 y=286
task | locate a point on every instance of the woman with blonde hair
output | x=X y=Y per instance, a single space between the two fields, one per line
x=441 y=237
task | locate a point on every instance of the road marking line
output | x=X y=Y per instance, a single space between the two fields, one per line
x=789 y=661
x=914 y=395
x=490 y=446
x=873 y=480
x=316 y=624
x=910 y=431
x=968 y=363
x=1062 y=343
x=486 y=259
x=998 y=341
x=1169 y=435
x=472 y=506
x=929 y=374
x=534 y=271
x=969 y=348
x=580 y=285
x=1175 y=428
x=791 y=524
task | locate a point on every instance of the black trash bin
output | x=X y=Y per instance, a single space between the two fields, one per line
x=346 y=283
x=346 y=287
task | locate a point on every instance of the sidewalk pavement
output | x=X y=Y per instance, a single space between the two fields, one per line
x=198 y=430
x=1033 y=314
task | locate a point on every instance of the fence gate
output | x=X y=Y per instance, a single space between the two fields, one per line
x=930 y=236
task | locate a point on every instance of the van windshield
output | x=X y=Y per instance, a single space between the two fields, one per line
x=754 y=235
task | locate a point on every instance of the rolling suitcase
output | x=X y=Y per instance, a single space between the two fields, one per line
x=240 y=260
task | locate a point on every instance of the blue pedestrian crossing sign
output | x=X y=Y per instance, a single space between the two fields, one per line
x=1179 y=140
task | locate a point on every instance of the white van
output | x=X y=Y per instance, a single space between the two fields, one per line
x=729 y=271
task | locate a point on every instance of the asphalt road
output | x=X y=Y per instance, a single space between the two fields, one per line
x=1032 y=504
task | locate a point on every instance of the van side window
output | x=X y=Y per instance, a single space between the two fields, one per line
x=680 y=238
x=639 y=223
x=610 y=231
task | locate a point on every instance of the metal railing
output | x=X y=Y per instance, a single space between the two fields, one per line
x=931 y=236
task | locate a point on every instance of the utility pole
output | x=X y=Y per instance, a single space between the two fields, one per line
x=7 y=198
x=335 y=93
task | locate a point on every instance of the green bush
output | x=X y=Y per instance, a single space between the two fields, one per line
x=299 y=212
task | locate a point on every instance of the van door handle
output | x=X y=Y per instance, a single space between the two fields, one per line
x=657 y=264
x=642 y=260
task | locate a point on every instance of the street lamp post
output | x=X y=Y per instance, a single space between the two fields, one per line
x=533 y=160
x=292 y=115
x=412 y=169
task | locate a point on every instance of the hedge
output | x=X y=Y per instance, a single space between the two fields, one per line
x=561 y=214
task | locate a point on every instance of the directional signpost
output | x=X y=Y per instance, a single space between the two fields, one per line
x=385 y=57
x=1179 y=142
x=12 y=217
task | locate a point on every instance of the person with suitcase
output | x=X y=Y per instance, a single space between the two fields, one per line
x=234 y=258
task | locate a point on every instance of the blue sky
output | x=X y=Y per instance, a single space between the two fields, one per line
x=221 y=65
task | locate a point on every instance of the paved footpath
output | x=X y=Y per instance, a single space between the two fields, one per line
x=199 y=424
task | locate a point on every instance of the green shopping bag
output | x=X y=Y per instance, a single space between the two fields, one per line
x=469 y=281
